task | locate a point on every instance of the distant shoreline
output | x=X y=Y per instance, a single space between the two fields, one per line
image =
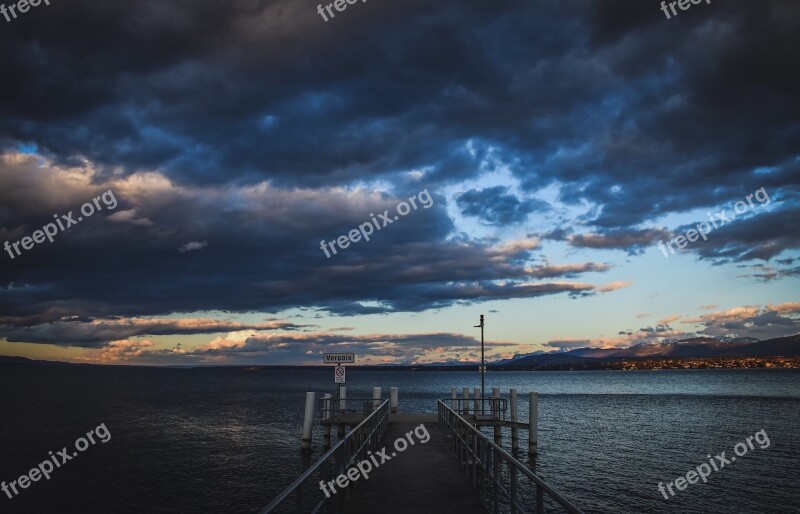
x=626 y=364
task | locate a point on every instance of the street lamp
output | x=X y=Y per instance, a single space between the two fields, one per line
x=482 y=369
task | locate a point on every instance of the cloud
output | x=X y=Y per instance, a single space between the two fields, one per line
x=495 y=206
x=631 y=240
x=99 y=332
x=192 y=246
x=613 y=286
x=669 y=319
x=751 y=321
x=128 y=216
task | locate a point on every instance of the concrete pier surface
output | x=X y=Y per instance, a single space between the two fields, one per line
x=424 y=479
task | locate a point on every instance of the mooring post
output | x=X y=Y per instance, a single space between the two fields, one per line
x=393 y=404
x=514 y=429
x=466 y=401
x=453 y=399
x=326 y=415
x=533 y=420
x=342 y=409
x=376 y=398
x=308 y=420
x=498 y=429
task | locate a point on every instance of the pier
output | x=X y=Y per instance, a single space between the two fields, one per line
x=459 y=469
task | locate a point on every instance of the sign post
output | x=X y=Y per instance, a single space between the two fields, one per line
x=339 y=373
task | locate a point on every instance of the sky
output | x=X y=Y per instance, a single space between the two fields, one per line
x=184 y=171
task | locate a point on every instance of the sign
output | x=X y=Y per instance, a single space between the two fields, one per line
x=338 y=375
x=339 y=358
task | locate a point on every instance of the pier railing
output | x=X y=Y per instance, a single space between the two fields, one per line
x=484 y=409
x=503 y=483
x=304 y=494
x=334 y=409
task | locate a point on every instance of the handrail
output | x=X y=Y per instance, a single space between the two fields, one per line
x=475 y=451
x=333 y=408
x=489 y=408
x=355 y=445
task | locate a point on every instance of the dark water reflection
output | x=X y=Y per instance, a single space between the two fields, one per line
x=227 y=440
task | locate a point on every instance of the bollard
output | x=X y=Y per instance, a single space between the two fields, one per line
x=478 y=400
x=393 y=404
x=466 y=401
x=498 y=429
x=326 y=415
x=453 y=400
x=514 y=429
x=308 y=420
x=342 y=409
x=533 y=419
x=376 y=398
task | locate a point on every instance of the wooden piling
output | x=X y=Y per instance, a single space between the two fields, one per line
x=514 y=429
x=533 y=421
x=453 y=401
x=478 y=400
x=308 y=421
x=465 y=408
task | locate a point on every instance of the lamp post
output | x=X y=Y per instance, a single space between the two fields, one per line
x=482 y=369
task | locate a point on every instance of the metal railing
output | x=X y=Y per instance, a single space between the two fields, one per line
x=334 y=408
x=486 y=409
x=495 y=473
x=308 y=497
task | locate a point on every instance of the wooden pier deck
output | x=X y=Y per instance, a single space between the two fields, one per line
x=424 y=479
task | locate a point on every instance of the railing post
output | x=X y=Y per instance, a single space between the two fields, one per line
x=496 y=473
x=513 y=480
x=498 y=429
x=539 y=499
x=342 y=409
x=514 y=429
x=326 y=415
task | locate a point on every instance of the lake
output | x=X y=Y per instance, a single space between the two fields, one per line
x=227 y=440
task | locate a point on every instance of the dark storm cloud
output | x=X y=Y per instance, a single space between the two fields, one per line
x=237 y=132
x=763 y=236
x=253 y=249
x=496 y=206
x=77 y=332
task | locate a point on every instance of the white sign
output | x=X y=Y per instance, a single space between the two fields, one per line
x=339 y=358
x=338 y=375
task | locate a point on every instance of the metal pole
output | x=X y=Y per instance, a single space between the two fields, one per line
x=482 y=369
